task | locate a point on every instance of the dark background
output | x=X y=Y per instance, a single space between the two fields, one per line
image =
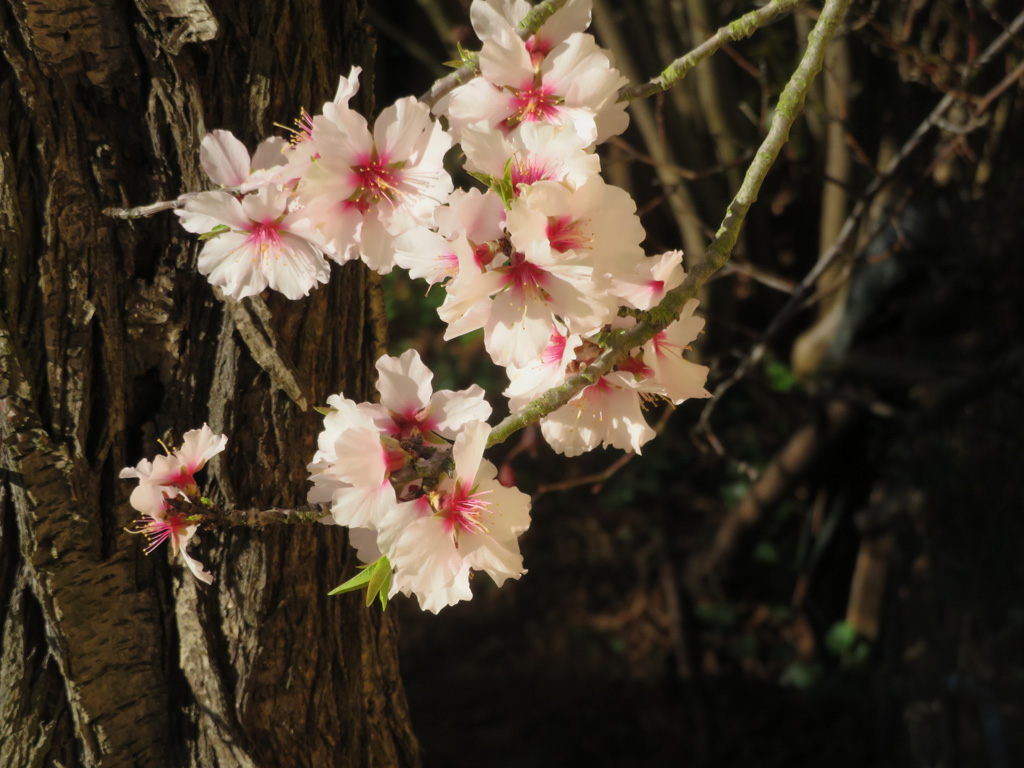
x=870 y=614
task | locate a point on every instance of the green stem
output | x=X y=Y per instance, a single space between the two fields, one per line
x=743 y=27
x=791 y=103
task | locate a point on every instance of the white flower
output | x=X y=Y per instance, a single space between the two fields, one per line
x=547 y=371
x=364 y=189
x=649 y=280
x=575 y=84
x=472 y=219
x=536 y=152
x=360 y=445
x=226 y=161
x=168 y=477
x=262 y=243
x=490 y=18
x=678 y=379
x=410 y=408
x=469 y=522
x=351 y=466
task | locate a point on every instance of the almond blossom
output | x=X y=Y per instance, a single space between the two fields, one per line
x=649 y=281
x=476 y=217
x=168 y=477
x=574 y=84
x=492 y=17
x=365 y=188
x=606 y=413
x=679 y=379
x=545 y=372
x=609 y=413
x=226 y=161
x=361 y=445
x=255 y=243
x=536 y=152
x=469 y=522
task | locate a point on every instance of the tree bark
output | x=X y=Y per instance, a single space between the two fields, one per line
x=110 y=340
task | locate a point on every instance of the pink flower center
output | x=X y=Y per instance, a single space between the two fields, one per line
x=451 y=263
x=567 y=234
x=264 y=236
x=482 y=255
x=411 y=422
x=461 y=510
x=531 y=103
x=303 y=130
x=375 y=180
x=527 y=172
x=157 y=531
x=525 y=278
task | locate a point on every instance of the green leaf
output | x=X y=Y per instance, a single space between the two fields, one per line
x=376 y=577
x=357 y=581
x=841 y=638
x=801 y=675
x=505 y=189
x=385 y=589
x=215 y=231
x=381 y=574
x=780 y=375
x=468 y=57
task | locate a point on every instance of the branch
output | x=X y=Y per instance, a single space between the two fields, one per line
x=261 y=518
x=743 y=27
x=211 y=516
x=790 y=105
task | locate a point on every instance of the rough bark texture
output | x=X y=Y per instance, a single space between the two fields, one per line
x=109 y=340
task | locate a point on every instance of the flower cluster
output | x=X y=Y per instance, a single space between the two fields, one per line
x=432 y=529
x=171 y=477
x=546 y=259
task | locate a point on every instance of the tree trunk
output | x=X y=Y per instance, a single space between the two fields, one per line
x=110 y=340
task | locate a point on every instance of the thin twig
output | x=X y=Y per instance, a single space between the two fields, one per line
x=846 y=234
x=678 y=170
x=598 y=479
x=790 y=105
x=998 y=91
x=743 y=27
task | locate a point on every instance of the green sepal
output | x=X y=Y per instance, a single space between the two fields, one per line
x=322 y=410
x=380 y=583
x=357 y=581
x=484 y=178
x=219 y=229
x=505 y=188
